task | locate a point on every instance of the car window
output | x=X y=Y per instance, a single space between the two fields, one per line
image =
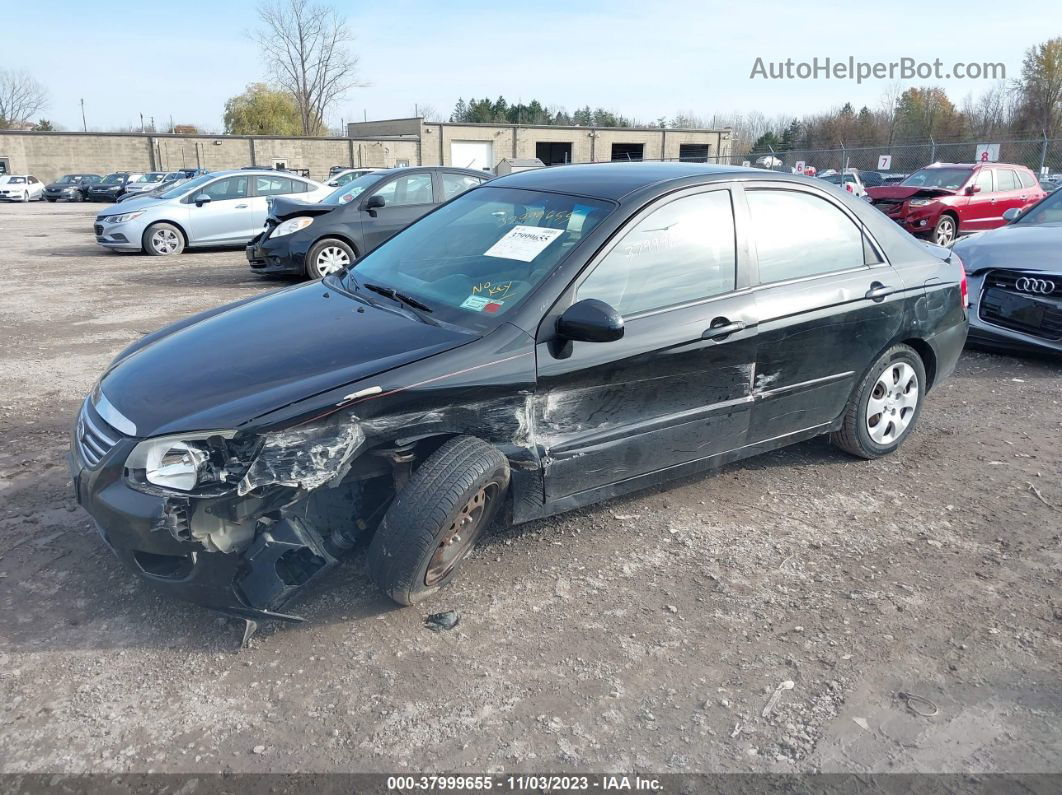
x=229 y=188
x=983 y=180
x=780 y=223
x=274 y=186
x=407 y=189
x=1027 y=180
x=352 y=190
x=1047 y=211
x=947 y=178
x=456 y=184
x=681 y=252
x=1006 y=179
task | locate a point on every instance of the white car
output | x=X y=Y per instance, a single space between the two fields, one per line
x=852 y=183
x=21 y=188
x=346 y=175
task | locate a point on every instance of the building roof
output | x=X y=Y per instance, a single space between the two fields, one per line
x=609 y=180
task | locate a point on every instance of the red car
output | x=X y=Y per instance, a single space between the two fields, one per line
x=945 y=200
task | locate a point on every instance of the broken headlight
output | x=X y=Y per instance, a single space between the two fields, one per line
x=207 y=464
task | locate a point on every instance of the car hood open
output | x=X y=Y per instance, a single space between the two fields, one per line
x=900 y=192
x=238 y=364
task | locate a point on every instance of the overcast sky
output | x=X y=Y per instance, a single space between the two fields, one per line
x=641 y=59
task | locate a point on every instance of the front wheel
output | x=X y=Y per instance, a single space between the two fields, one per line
x=328 y=256
x=945 y=230
x=434 y=521
x=163 y=240
x=885 y=406
x=50 y=200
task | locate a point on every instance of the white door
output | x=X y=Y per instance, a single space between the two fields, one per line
x=472 y=154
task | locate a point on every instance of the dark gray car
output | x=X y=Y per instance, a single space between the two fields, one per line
x=1015 y=275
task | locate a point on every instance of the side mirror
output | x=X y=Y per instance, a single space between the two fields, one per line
x=202 y=199
x=1011 y=215
x=590 y=320
x=333 y=184
x=972 y=189
x=375 y=202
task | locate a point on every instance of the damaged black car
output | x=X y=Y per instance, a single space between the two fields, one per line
x=545 y=341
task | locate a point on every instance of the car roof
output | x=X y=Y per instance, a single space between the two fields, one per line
x=613 y=180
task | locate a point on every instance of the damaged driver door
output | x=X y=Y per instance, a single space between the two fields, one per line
x=676 y=388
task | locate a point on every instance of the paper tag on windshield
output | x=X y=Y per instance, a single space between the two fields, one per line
x=475 y=303
x=523 y=243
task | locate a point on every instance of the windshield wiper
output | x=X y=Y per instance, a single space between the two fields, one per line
x=393 y=294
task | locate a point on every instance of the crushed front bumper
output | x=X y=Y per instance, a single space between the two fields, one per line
x=151 y=534
x=278 y=257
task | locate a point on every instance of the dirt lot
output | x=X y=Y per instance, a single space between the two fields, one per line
x=647 y=633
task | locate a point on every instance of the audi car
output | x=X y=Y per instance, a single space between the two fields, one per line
x=1015 y=278
x=544 y=341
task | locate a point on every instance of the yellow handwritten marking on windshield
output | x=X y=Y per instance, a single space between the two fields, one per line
x=499 y=290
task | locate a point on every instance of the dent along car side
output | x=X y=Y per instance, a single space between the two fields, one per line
x=543 y=342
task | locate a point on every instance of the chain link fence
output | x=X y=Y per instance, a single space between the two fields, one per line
x=906 y=158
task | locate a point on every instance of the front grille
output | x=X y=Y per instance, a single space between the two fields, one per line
x=1006 y=305
x=95 y=438
x=887 y=206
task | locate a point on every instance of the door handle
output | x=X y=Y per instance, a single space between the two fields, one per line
x=242 y=206
x=722 y=328
x=878 y=291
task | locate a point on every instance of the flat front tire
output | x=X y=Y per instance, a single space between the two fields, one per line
x=163 y=240
x=885 y=406
x=434 y=521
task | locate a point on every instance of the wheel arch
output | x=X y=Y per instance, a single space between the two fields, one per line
x=926 y=354
x=178 y=225
x=345 y=238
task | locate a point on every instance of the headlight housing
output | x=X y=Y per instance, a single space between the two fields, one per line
x=919 y=202
x=121 y=219
x=292 y=225
x=203 y=464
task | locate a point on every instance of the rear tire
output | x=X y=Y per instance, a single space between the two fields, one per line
x=163 y=240
x=328 y=256
x=885 y=406
x=434 y=521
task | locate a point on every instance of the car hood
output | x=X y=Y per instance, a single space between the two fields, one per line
x=1019 y=247
x=60 y=186
x=281 y=208
x=900 y=192
x=233 y=366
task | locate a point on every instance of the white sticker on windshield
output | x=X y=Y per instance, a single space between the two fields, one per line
x=523 y=243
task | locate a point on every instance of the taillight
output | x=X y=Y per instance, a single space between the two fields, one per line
x=964 y=290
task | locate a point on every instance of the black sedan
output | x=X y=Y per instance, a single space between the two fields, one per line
x=110 y=188
x=69 y=187
x=315 y=240
x=545 y=341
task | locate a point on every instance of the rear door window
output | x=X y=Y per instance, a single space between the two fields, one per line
x=1006 y=179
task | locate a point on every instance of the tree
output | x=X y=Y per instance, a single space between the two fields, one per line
x=1040 y=87
x=43 y=125
x=306 y=49
x=261 y=110
x=21 y=98
x=765 y=143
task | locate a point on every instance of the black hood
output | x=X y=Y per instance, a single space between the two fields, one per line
x=225 y=370
x=282 y=208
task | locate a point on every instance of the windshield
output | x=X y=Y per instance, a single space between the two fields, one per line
x=1047 y=211
x=183 y=187
x=16 y=180
x=154 y=176
x=949 y=178
x=350 y=191
x=66 y=180
x=482 y=253
x=836 y=179
x=112 y=179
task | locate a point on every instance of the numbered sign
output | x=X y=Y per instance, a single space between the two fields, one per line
x=987 y=153
x=800 y=166
x=884 y=162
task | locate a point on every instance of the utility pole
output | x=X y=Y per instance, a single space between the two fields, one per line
x=84 y=124
x=141 y=122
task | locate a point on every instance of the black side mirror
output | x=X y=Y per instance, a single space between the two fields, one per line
x=590 y=320
x=202 y=199
x=375 y=202
x=972 y=189
x=333 y=184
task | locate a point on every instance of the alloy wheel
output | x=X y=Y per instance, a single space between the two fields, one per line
x=461 y=535
x=164 y=241
x=331 y=259
x=945 y=232
x=892 y=402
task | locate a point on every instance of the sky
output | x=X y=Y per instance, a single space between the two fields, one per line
x=643 y=59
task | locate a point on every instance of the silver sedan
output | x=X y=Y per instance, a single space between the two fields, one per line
x=224 y=208
x=1015 y=279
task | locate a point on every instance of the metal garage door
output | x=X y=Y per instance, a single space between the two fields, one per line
x=472 y=154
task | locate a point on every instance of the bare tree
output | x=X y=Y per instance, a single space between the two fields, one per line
x=21 y=97
x=306 y=47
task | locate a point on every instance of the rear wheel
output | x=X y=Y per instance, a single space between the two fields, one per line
x=163 y=240
x=885 y=406
x=328 y=256
x=434 y=522
x=945 y=230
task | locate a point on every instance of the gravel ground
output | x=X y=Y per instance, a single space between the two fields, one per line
x=646 y=633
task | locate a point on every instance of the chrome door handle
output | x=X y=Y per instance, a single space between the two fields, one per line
x=878 y=291
x=723 y=330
